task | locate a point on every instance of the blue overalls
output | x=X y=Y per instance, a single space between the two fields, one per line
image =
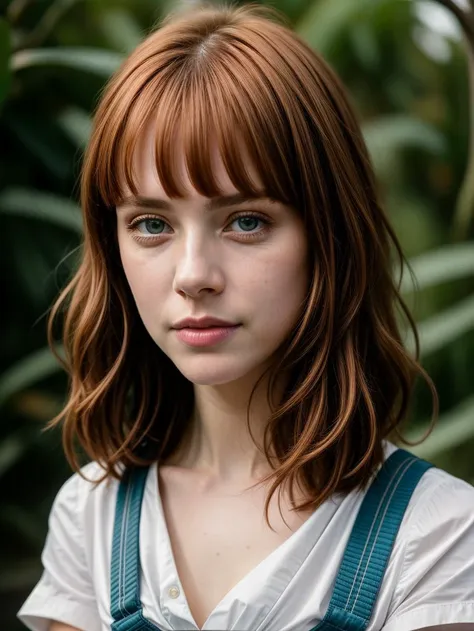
x=360 y=574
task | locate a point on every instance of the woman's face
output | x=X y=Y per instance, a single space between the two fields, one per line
x=242 y=262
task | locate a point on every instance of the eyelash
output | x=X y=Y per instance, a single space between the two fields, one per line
x=133 y=224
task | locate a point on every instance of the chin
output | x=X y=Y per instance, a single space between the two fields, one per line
x=213 y=371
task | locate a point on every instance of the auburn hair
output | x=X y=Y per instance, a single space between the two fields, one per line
x=241 y=76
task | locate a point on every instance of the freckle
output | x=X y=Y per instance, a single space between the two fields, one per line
x=218 y=554
x=248 y=547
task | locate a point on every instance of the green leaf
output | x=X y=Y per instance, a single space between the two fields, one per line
x=364 y=41
x=293 y=9
x=95 y=60
x=41 y=135
x=453 y=429
x=77 y=124
x=325 y=20
x=44 y=206
x=415 y=221
x=441 y=329
x=387 y=135
x=29 y=264
x=5 y=52
x=120 y=29
x=26 y=371
x=448 y=263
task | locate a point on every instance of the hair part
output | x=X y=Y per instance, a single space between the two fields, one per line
x=242 y=74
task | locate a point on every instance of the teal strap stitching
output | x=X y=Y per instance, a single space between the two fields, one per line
x=362 y=532
x=401 y=488
x=394 y=484
x=117 y=548
x=125 y=565
x=405 y=470
x=134 y=622
x=126 y=607
x=123 y=548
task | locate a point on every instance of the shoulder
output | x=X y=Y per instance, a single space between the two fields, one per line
x=82 y=483
x=441 y=502
x=82 y=493
x=433 y=564
x=439 y=516
x=71 y=559
x=438 y=500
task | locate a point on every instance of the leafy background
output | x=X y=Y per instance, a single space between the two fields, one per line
x=408 y=69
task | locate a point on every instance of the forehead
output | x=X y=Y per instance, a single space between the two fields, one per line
x=147 y=179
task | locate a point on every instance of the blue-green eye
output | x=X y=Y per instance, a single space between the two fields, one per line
x=247 y=223
x=152 y=225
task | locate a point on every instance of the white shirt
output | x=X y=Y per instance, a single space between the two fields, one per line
x=429 y=579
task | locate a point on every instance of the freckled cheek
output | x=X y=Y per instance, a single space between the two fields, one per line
x=279 y=285
x=147 y=282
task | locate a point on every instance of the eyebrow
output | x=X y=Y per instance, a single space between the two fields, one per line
x=214 y=203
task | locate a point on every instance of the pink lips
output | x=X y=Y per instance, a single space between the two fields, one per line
x=205 y=336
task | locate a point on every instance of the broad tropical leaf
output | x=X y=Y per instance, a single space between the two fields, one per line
x=45 y=206
x=120 y=29
x=77 y=124
x=322 y=23
x=386 y=135
x=445 y=327
x=96 y=60
x=42 y=137
x=452 y=429
x=448 y=263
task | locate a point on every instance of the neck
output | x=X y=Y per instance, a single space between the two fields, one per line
x=218 y=442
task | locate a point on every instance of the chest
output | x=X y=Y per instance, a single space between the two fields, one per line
x=218 y=535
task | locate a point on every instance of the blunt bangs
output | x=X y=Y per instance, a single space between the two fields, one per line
x=236 y=92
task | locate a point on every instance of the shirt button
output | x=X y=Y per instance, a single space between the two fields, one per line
x=173 y=591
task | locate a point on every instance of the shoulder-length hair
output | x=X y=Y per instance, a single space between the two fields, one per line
x=241 y=75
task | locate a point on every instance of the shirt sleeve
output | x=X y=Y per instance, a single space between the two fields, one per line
x=436 y=585
x=65 y=591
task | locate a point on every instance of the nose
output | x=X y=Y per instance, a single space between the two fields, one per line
x=198 y=270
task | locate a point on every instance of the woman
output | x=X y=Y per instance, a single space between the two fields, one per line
x=230 y=333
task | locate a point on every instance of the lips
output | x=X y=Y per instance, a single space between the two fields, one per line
x=204 y=322
x=205 y=336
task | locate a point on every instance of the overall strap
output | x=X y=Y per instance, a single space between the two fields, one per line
x=370 y=543
x=125 y=605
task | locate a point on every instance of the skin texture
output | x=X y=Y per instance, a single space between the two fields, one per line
x=202 y=264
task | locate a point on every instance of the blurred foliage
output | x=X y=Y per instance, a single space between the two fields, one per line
x=410 y=87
